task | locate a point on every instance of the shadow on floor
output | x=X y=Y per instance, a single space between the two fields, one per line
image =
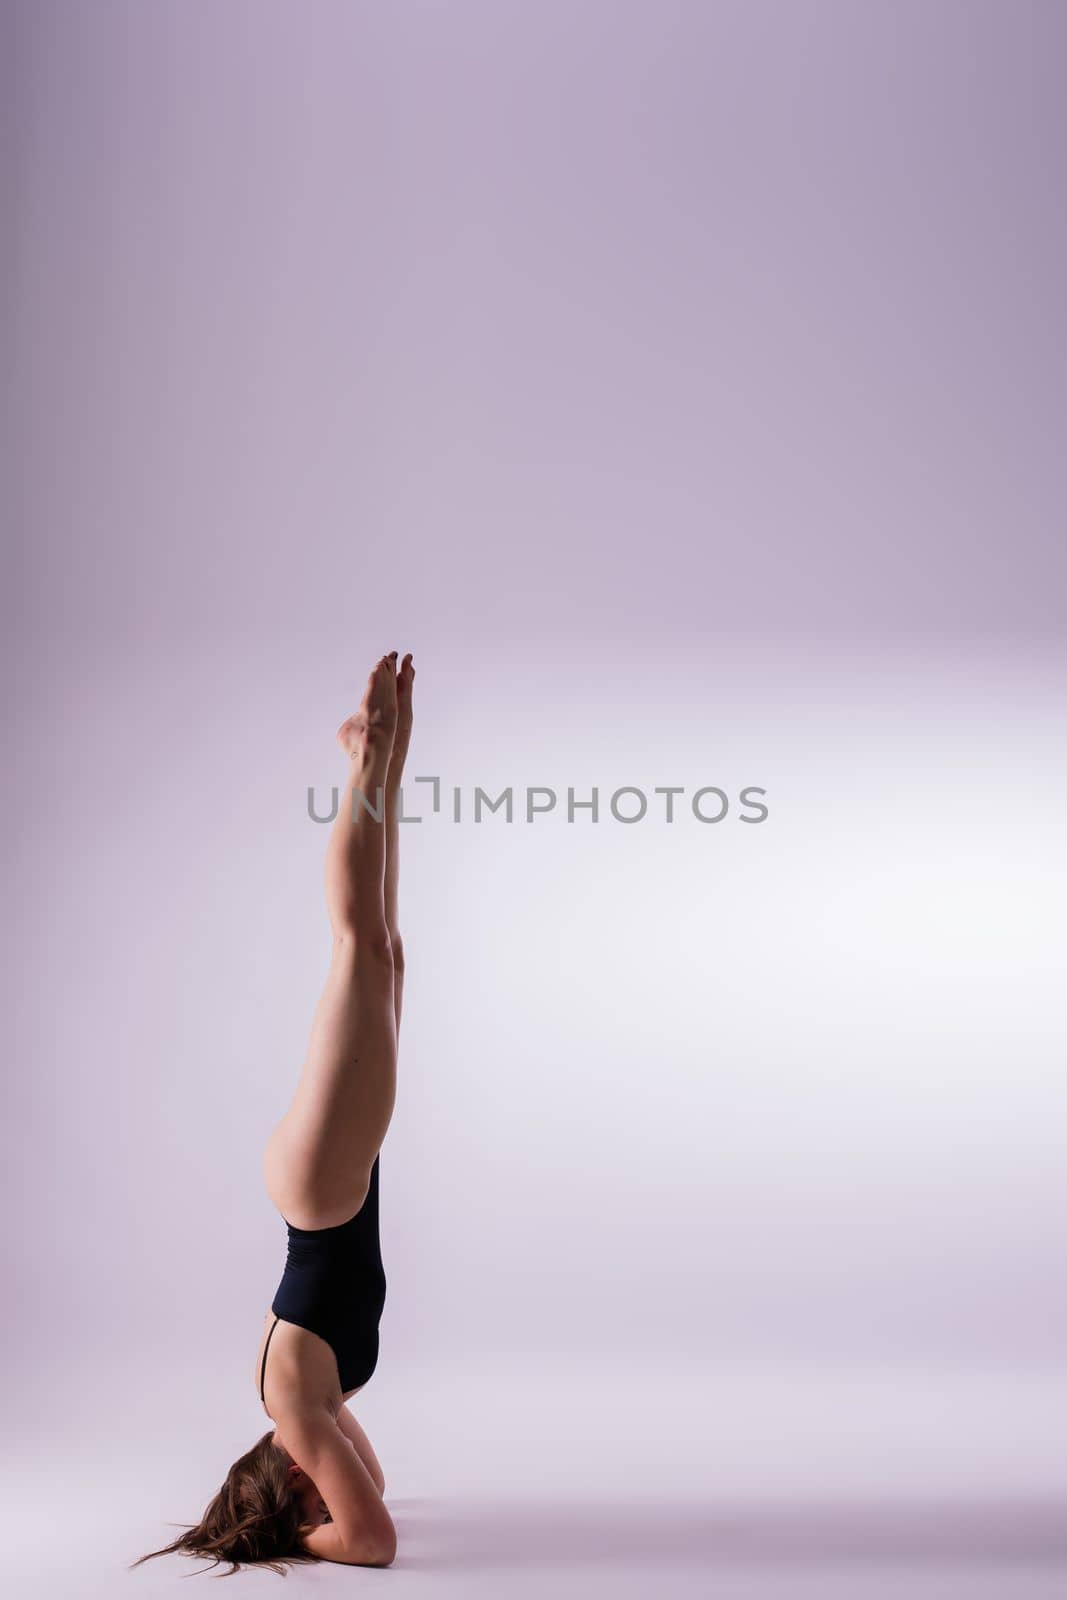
x=441 y=1535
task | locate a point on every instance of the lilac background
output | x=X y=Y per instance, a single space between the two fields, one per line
x=681 y=382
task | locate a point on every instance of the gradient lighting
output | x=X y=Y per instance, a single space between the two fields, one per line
x=678 y=382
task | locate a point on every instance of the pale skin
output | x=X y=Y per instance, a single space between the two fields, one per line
x=318 y=1159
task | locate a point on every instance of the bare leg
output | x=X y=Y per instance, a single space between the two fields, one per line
x=318 y=1159
x=404 y=682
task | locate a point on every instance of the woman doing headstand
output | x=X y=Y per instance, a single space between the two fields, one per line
x=311 y=1488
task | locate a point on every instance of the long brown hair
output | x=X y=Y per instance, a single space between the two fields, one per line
x=255 y=1516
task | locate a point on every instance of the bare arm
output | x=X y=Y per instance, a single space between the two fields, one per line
x=329 y=1545
x=361 y=1532
x=362 y=1446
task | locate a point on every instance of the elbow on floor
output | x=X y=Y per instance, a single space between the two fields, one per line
x=380 y=1553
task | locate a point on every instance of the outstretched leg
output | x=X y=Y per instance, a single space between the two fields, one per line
x=318 y=1159
x=404 y=684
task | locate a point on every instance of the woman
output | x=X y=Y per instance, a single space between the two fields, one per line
x=311 y=1488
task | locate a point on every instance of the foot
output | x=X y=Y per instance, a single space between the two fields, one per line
x=369 y=734
x=404 y=681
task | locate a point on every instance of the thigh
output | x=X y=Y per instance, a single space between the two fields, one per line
x=318 y=1159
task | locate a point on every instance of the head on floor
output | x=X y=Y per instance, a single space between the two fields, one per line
x=265 y=1501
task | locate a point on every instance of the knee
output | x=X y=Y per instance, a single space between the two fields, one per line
x=365 y=945
x=397 y=947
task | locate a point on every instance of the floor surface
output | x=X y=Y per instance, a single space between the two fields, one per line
x=736 y=1483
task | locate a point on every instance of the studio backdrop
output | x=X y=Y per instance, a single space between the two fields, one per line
x=683 y=384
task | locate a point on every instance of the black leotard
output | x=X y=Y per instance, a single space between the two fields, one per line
x=334 y=1285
